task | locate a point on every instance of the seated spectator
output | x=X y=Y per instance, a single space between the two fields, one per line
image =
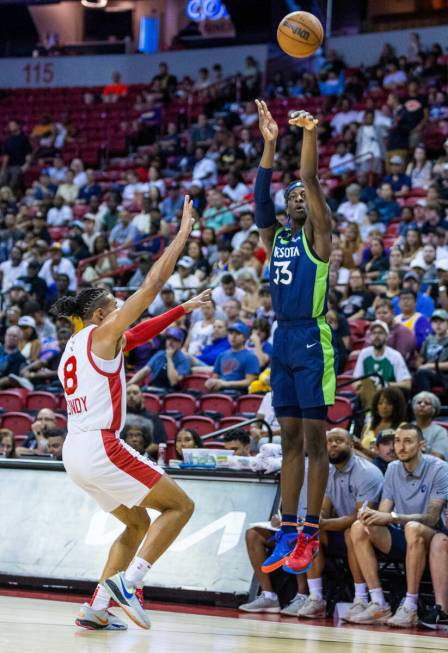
x=238 y=441
x=432 y=363
x=56 y=265
x=167 y=367
x=369 y=144
x=383 y=360
x=412 y=244
x=202 y=132
x=342 y=273
x=12 y=269
x=403 y=526
x=426 y=407
x=341 y=162
x=7 y=444
x=241 y=269
x=138 y=434
x=154 y=181
x=384 y=449
x=419 y=169
x=394 y=77
x=55 y=441
x=235 y=189
x=205 y=170
x=353 y=246
x=425 y=303
x=43 y=373
x=201 y=266
x=104 y=266
x=36 y=442
x=187 y=439
x=344 y=116
x=425 y=264
x=388 y=410
x=60 y=214
x=400 y=182
x=339 y=511
x=172 y=204
x=358 y=300
x=144 y=265
x=236 y=368
x=125 y=232
x=165 y=300
x=219 y=343
x=259 y=342
x=29 y=344
x=353 y=209
x=436 y=615
x=11 y=360
x=80 y=178
x=68 y=190
x=227 y=290
x=184 y=282
x=386 y=204
x=201 y=331
x=90 y=189
x=135 y=405
x=411 y=318
x=57 y=172
x=116 y=89
x=217 y=216
x=376 y=262
x=400 y=337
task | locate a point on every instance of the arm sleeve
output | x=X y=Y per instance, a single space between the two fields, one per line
x=264 y=206
x=147 y=329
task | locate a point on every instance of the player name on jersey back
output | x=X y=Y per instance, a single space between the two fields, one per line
x=96 y=399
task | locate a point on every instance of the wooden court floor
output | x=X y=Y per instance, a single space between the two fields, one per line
x=41 y=626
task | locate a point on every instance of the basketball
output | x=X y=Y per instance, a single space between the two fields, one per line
x=300 y=34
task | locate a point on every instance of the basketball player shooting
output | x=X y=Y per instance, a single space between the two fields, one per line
x=303 y=363
x=119 y=479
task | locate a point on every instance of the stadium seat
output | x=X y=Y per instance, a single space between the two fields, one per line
x=195 y=382
x=233 y=421
x=179 y=402
x=340 y=414
x=213 y=444
x=61 y=421
x=11 y=400
x=62 y=404
x=19 y=423
x=152 y=402
x=37 y=400
x=170 y=450
x=217 y=403
x=203 y=425
x=248 y=404
x=170 y=425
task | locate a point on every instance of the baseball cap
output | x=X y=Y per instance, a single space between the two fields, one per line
x=240 y=327
x=176 y=333
x=27 y=321
x=20 y=284
x=385 y=436
x=440 y=314
x=89 y=216
x=186 y=262
x=379 y=323
x=411 y=275
x=396 y=159
x=79 y=224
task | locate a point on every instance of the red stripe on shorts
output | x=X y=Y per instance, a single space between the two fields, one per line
x=124 y=460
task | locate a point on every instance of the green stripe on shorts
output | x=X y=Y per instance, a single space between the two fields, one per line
x=329 y=377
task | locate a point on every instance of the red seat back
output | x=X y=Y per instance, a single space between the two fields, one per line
x=37 y=400
x=248 y=404
x=152 y=402
x=194 y=382
x=170 y=427
x=218 y=403
x=11 y=400
x=179 y=402
x=342 y=408
x=233 y=421
x=19 y=423
x=202 y=425
x=61 y=422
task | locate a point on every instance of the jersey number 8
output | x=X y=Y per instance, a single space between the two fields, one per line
x=282 y=273
x=70 y=378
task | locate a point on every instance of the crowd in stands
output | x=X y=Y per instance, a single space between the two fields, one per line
x=384 y=169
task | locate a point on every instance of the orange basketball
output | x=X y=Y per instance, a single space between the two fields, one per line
x=300 y=34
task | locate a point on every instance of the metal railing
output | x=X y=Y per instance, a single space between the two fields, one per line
x=217 y=434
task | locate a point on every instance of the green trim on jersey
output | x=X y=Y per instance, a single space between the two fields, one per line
x=320 y=283
x=277 y=231
x=329 y=376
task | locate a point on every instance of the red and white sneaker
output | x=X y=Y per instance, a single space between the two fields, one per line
x=301 y=558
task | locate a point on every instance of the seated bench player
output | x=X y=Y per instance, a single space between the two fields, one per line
x=408 y=517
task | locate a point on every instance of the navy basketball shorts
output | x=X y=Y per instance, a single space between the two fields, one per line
x=303 y=368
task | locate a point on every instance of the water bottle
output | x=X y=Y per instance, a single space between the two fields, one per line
x=161 y=459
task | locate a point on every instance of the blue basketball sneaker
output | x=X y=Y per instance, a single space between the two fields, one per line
x=284 y=544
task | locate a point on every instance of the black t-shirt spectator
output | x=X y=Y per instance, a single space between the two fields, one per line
x=359 y=300
x=38 y=288
x=16 y=146
x=159 y=434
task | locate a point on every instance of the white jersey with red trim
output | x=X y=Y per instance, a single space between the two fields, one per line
x=96 y=399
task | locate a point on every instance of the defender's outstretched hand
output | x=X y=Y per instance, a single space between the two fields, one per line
x=303 y=119
x=267 y=124
x=198 y=302
x=187 y=221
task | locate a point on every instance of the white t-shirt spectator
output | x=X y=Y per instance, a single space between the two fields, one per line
x=59 y=217
x=130 y=190
x=146 y=187
x=236 y=194
x=240 y=236
x=343 y=118
x=279 y=200
x=343 y=276
x=397 y=78
x=142 y=221
x=183 y=288
x=63 y=267
x=341 y=164
x=11 y=273
x=391 y=365
x=200 y=335
x=203 y=168
x=80 y=179
x=220 y=298
x=353 y=212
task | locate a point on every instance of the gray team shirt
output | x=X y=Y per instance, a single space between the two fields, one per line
x=359 y=481
x=411 y=492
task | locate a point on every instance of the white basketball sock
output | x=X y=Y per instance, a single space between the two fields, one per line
x=136 y=571
x=361 y=592
x=269 y=595
x=315 y=585
x=377 y=596
x=411 y=601
x=100 y=599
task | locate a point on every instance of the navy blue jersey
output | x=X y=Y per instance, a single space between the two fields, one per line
x=298 y=280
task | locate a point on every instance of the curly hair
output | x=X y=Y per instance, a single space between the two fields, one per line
x=393 y=396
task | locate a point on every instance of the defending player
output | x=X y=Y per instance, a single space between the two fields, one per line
x=117 y=477
x=303 y=361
